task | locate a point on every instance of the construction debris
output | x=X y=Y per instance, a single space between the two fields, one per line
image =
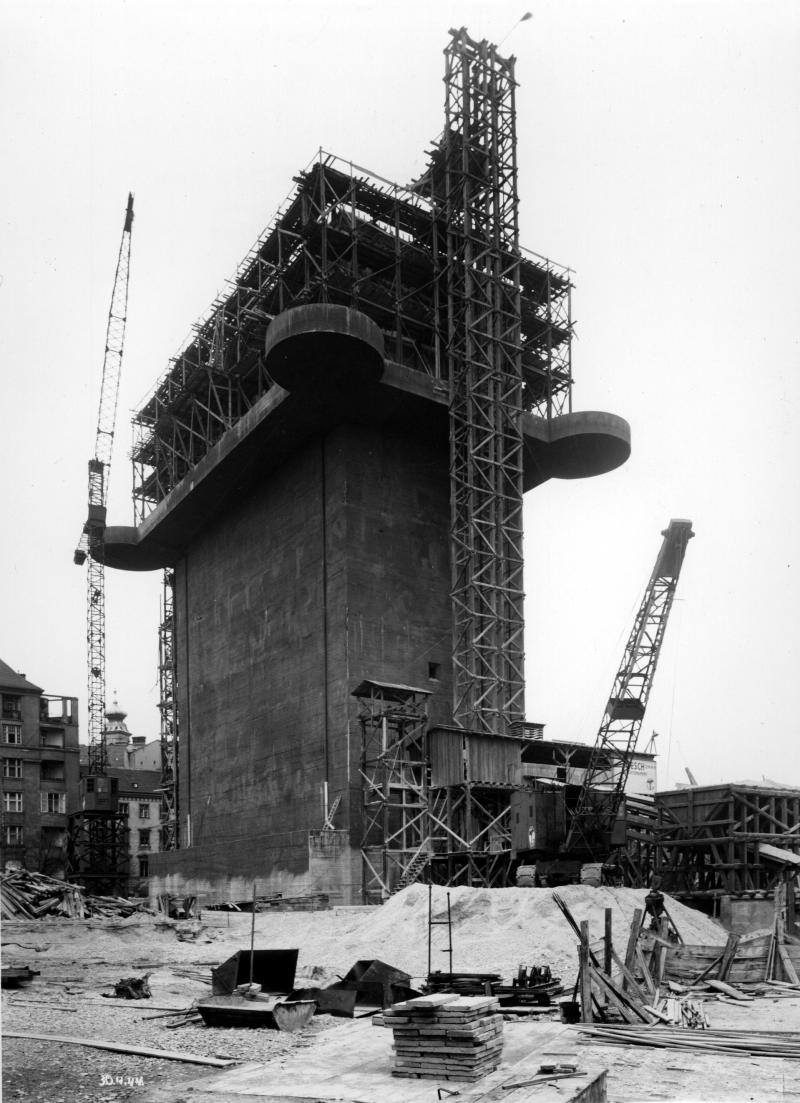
x=634 y=994
x=446 y=1037
x=646 y=992
x=25 y=895
x=17 y=976
x=132 y=988
x=256 y=1010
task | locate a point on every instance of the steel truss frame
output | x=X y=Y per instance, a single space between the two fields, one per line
x=168 y=710
x=97 y=852
x=479 y=205
x=604 y=783
x=91 y=540
x=394 y=831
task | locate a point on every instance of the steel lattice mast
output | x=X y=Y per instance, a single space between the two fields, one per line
x=607 y=773
x=480 y=207
x=167 y=705
x=94 y=530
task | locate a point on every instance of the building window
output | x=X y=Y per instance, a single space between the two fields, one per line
x=12 y=802
x=12 y=767
x=12 y=707
x=123 y=807
x=144 y=839
x=433 y=671
x=90 y=785
x=52 y=770
x=144 y=866
x=144 y=811
x=12 y=733
x=53 y=802
x=13 y=834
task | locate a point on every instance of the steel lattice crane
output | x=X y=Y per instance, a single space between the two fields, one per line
x=91 y=542
x=589 y=835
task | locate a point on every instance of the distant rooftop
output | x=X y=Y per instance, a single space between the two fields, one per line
x=9 y=679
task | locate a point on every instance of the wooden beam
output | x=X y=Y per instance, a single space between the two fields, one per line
x=119 y=1047
x=584 y=975
x=727 y=957
x=608 y=947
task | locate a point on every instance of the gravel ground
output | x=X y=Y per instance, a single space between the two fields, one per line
x=79 y=961
x=47 y=1072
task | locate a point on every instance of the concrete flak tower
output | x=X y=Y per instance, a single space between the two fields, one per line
x=333 y=468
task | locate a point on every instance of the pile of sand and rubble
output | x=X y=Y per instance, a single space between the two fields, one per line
x=493 y=930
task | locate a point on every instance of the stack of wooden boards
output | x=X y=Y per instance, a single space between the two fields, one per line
x=446 y=1036
x=25 y=895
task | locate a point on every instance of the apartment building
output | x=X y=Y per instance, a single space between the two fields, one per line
x=40 y=770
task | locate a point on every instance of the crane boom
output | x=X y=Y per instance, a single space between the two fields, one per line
x=91 y=541
x=604 y=784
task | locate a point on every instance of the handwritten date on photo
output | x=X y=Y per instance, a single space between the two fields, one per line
x=121 y=1081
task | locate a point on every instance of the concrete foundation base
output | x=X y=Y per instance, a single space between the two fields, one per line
x=741 y=915
x=334 y=868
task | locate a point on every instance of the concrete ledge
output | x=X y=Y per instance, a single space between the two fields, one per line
x=587 y=443
x=572 y=446
x=322 y=349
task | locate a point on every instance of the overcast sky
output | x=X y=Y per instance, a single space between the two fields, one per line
x=659 y=158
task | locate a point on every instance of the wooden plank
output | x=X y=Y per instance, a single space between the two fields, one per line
x=778 y=854
x=628 y=979
x=584 y=976
x=707 y=970
x=608 y=946
x=119 y=1047
x=728 y=989
x=645 y=971
x=786 y=962
x=728 y=956
x=633 y=938
x=628 y=1010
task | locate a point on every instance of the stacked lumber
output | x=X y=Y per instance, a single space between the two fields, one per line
x=26 y=895
x=446 y=1037
x=313 y=901
x=752 y=1043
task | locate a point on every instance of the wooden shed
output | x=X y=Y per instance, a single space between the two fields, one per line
x=460 y=757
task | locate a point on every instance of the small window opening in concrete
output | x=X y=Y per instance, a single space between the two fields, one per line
x=433 y=671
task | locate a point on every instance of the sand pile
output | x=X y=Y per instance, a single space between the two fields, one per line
x=496 y=930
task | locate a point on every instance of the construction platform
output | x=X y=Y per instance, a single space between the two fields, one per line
x=341 y=376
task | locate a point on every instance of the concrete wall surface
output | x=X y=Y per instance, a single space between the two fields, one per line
x=741 y=915
x=333 y=569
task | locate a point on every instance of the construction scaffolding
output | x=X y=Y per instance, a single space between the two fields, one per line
x=395 y=844
x=98 y=857
x=712 y=847
x=349 y=237
x=475 y=190
x=168 y=712
x=472 y=776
